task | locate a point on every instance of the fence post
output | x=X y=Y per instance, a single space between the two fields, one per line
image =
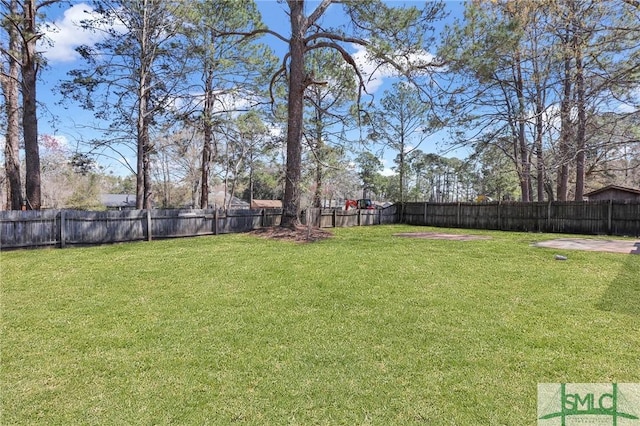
x=359 y=217
x=610 y=218
x=499 y=215
x=333 y=218
x=549 y=217
x=424 y=221
x=263 y=218
x=379 y=216
x=149 y=236
x=63 y=231
x=458 y=215
x=215 y=222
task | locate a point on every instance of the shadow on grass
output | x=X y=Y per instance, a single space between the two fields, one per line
x=623 y=294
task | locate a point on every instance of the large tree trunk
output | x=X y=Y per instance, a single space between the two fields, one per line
x=145 y=147
x=525 y=161
x=291 y=202
x=319 y=154
x=12 y=143
x=140 y=176
x=148 y=149
x=539 y=78
x=29 y=107
x=205 y=171
x=140 y=164
x=145 y=190
x=540 y=170
x=580 y=131
x=207 y=124
x=562 y=181
x=317 y=194
x=402 y=172
x=11 y=90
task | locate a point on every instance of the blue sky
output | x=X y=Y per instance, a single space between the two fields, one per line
x=71 y=125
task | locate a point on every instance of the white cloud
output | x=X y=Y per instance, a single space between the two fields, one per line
x=633 y=105
x=374 y=74
x=64 y=35
x=625 y=108
x=387 y=171
x=275 y=131
x=225 y=101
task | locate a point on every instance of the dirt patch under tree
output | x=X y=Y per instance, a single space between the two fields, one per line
x=300 y=234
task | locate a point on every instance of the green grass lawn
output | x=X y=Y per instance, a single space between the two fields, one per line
x=363 y=328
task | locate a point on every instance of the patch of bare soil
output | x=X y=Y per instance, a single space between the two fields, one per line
x=442 y=236
x=612 y=246
x=300 y=234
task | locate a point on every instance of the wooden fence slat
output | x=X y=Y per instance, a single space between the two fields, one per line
x=63 y=233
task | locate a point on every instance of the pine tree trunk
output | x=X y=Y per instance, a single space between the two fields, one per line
x=540 y=173
x=562 y=181
x=29 y=108
x=12 y=140
x=207 y=152
x=205 y=168
x=141 y=148
x=580 y=131
x=145 y=147
x=525 y=164
x=319 y=154
x=11 y=91
x=317 y=195
x=291 y=202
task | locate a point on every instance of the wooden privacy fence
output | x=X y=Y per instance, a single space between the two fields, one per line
x=571 y=217
x=21 y=229
x=61 y=228
x=333 y=218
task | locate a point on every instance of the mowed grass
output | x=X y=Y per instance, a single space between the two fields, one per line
x=363 y=328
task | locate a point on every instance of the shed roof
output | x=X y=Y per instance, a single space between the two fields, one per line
x=613 y=187
x=266 y=204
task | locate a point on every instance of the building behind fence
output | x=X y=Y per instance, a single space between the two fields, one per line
x=62 y=228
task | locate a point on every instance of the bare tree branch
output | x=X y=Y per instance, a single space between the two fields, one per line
x=253 y=33
x=316 y=14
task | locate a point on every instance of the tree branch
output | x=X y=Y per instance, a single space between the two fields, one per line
x=253 y=33
x=281 y=70
x=46 y=3
x=336 y=37
x=316 y=14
